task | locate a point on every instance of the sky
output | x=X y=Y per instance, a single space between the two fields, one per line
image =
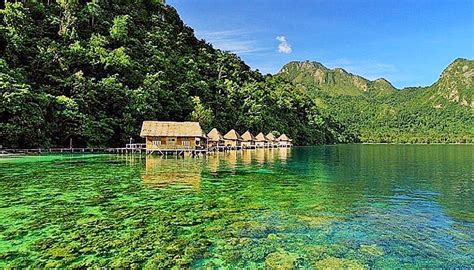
x=408 y=43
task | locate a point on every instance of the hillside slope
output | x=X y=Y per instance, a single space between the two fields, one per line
x=442 y=112
x=456 y=84
x=333 y=81
x=92 y=71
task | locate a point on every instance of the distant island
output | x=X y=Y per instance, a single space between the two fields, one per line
x=92 y=74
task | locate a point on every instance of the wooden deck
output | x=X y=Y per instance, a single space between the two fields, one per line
x=135 y=148
x=129 y=148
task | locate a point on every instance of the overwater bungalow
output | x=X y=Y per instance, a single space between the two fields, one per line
x=215 y=140
x=283 y=141
x=261 y=141
x=271 y=140
x=248 y=140
x=233 y=140
x=165 y=137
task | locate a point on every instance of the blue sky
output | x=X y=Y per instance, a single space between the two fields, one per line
x=407 y=42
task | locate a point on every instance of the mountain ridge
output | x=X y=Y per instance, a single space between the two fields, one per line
x=336 y=81
x=378 y=112
x=455 y=83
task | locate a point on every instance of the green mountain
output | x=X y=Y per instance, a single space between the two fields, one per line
x=333 y=81
x=456 y=84
x=92 y=71
x=374 y=111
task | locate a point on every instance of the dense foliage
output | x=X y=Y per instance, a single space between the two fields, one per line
x=378 y=113
x=92 y=71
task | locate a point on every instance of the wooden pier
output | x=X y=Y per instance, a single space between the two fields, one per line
x=137 y=148
x=129 y=148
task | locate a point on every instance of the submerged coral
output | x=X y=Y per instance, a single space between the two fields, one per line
x=96 y=211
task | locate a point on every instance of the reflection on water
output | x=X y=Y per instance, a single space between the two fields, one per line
x=161 y=172
x=247 y=157
x=283 y=154
x=230 y=161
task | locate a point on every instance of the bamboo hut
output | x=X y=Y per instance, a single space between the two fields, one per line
x=165 y=136
x=271 y=140
x=248 y=140
x=215 y=139
x=233 y=140
x=261 y=141
x=283 y=141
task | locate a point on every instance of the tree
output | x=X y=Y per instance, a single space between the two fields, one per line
x=201 y=114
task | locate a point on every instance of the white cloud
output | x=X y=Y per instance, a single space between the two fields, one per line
x=283 y=46
x=235 y=41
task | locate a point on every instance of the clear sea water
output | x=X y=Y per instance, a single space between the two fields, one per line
x=343 y=206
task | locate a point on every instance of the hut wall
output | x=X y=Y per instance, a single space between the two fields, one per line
x=283 y=143
x=171 y=142
x=232 y=143
x=248 y=143
x=261 y=144
x=215 y=143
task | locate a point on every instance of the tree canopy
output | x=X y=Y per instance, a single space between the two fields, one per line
x=92 y=71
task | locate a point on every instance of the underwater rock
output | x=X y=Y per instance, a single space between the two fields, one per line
x=215 y=228
x=338 y=263
x=373 y=250
x=282 y=260
x=315 y=253
x=250 y=229
x=317 y=220
x=60 y=252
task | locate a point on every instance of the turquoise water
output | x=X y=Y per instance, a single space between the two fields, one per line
x=351 y=206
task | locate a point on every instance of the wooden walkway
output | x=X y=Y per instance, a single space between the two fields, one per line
x=69 y=150
x=128 y=149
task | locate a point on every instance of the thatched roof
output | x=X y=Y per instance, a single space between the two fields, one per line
x=171 y=129
x=247 y=136
x=261 y=138
x=283 y=137
x=232 y=135
x=270 y=136
x=214 y=135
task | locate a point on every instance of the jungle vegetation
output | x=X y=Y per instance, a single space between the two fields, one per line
x=92 y=71
x=377 y=112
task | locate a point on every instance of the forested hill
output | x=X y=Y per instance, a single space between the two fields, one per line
x=333 y=81
x=377 y=112
x=94 y=70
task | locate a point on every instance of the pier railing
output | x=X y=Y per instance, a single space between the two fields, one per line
x=135 y=145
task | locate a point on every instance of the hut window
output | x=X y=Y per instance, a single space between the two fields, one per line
x=185 y=142
x=156 y=142
x=171 y=140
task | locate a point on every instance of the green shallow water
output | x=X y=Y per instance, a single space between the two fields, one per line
x=391 y=206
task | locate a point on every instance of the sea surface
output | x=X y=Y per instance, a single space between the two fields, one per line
x=357 y=206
